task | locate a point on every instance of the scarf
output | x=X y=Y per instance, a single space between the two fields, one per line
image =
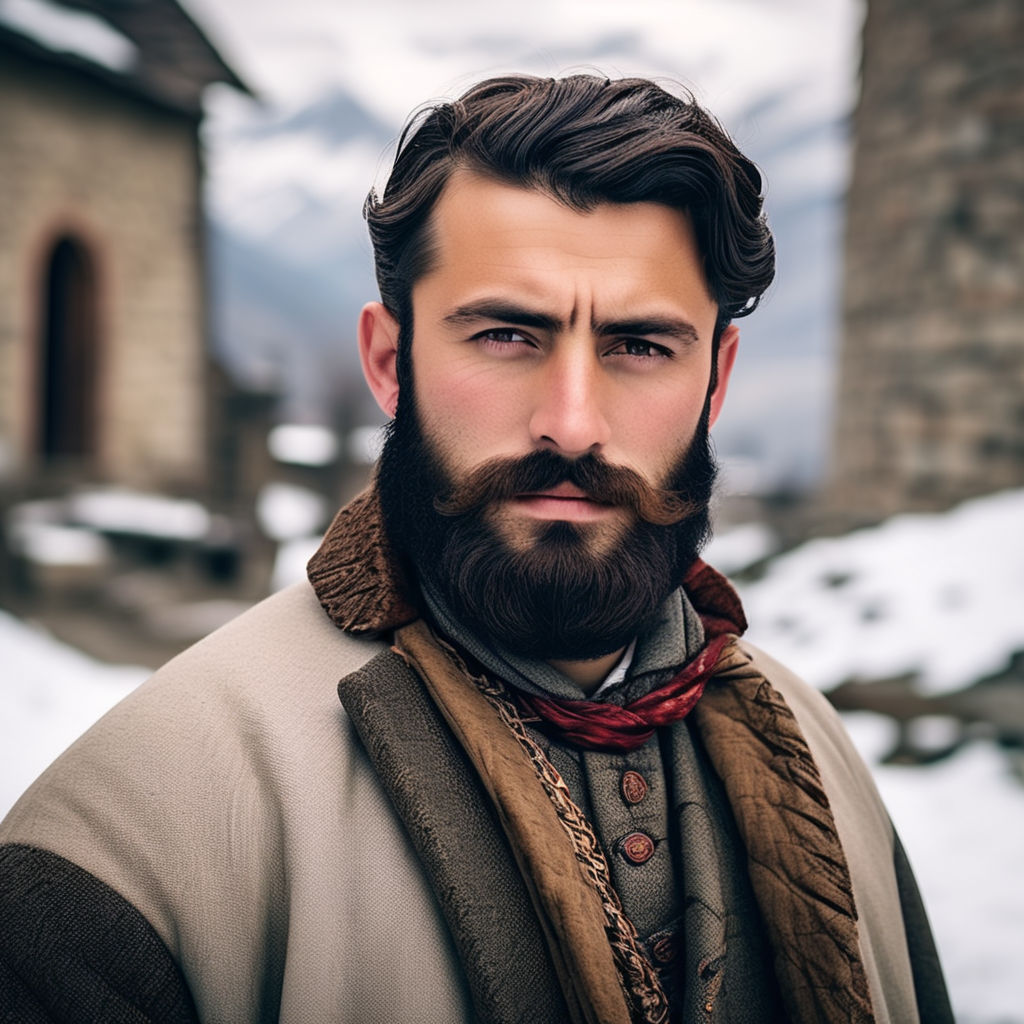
x=599 y=725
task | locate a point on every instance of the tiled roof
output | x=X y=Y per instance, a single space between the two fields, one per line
x=170 y=60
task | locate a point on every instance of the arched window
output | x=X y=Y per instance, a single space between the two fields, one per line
x=69 y=356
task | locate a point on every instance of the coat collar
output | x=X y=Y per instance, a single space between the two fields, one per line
x=355 y=573
x=360 y=583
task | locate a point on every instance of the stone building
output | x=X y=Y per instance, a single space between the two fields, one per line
x=931 y=392
x=103 y=359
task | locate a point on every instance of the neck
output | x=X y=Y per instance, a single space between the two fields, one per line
x=588 y=675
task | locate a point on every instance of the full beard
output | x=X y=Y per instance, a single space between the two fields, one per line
x=551 y=590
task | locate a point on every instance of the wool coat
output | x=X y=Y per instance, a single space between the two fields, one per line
x=232 y=844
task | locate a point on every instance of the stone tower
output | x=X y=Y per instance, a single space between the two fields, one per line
x=931 y=379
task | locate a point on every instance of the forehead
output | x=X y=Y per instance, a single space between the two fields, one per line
x=487 y=234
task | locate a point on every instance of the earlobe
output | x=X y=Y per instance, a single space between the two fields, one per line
x=378 y=353
x=728 y=345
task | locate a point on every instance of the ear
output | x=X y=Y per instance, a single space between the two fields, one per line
x=728 y=345
x=378 y=352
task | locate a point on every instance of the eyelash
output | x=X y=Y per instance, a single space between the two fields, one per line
x=511 y=335
x=655 y=350
x=492 y=333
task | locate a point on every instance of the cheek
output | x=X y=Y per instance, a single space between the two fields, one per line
x=473 y=413
x=657 y=431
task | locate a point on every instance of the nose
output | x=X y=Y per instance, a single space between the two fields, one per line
x=568 y=410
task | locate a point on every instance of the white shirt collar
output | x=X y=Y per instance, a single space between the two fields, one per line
x=617 y=676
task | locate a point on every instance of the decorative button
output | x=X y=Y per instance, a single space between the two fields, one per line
x=664 y=950
x=637 y=847
x=634 y=787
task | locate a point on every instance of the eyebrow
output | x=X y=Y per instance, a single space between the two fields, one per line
x=513 y=313
x=507 y=312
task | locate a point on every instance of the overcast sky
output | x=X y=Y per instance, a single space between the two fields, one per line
x=396 y=54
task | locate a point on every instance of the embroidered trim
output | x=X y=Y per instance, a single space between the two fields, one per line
x=644 y=995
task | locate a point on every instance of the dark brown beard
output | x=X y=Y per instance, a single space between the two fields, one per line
x=555 y=599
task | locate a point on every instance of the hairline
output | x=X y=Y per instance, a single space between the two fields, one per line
x=425 y=244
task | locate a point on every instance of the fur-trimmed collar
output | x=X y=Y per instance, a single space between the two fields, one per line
x=362 y=588
x=355 y=574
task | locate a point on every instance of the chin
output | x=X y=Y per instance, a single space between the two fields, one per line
x=523 y=533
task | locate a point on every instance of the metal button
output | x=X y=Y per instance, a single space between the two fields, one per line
x=633 y=786
x=664 y=950
x=637 y=847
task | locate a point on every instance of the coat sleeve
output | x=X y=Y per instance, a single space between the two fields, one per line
x=72 y=949
x=929 y=983
x=219 y=840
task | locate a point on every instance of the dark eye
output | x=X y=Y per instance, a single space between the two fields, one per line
x=640 y=348
x=502 y=337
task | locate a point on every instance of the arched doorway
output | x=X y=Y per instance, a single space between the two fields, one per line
x=69 y=353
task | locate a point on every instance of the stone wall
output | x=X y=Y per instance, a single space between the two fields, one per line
x=931 y=397
x=121 y=177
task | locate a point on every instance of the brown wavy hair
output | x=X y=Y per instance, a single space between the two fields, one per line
x=584 y=140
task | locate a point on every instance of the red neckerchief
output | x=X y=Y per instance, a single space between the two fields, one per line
x=598 y=725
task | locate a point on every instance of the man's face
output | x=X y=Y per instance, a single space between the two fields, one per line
x=584 y=337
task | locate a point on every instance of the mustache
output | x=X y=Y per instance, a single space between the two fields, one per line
x=506 y=477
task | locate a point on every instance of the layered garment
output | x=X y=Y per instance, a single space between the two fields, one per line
x=233 y=843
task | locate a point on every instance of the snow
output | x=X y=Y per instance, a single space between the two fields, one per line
x=290 y=560
x=119 y=510
x=740 y=546
x=64 y=31
x=961 y=822
x=937 y=595
x=364 y=445
x=303 y=444
x=286 y=511
x=51 y=694
x=47 y=544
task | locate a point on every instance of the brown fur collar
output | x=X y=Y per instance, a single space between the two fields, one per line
x=355 y=575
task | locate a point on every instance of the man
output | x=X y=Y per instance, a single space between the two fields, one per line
x=557 y=786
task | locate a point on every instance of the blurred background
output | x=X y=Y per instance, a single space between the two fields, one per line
x=182 y=259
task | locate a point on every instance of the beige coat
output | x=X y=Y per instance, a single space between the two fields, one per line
x=229 y=800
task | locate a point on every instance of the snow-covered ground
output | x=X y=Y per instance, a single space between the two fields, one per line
x=938 y=595
x=51 y=693
x=941 y=595
x=962 y=823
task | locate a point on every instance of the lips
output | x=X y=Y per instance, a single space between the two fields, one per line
x=563 y=501
x=565 y=491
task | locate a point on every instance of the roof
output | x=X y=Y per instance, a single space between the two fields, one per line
x=151 y=48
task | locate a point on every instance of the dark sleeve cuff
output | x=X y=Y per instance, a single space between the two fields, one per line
x=74 y=950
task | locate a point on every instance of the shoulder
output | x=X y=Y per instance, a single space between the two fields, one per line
x=865 y=831
x=246 y=688
x=848 y=782
x=287 y=633
x=195 y=778
x=822 y=727
x=229 y=802
x=271 y=671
